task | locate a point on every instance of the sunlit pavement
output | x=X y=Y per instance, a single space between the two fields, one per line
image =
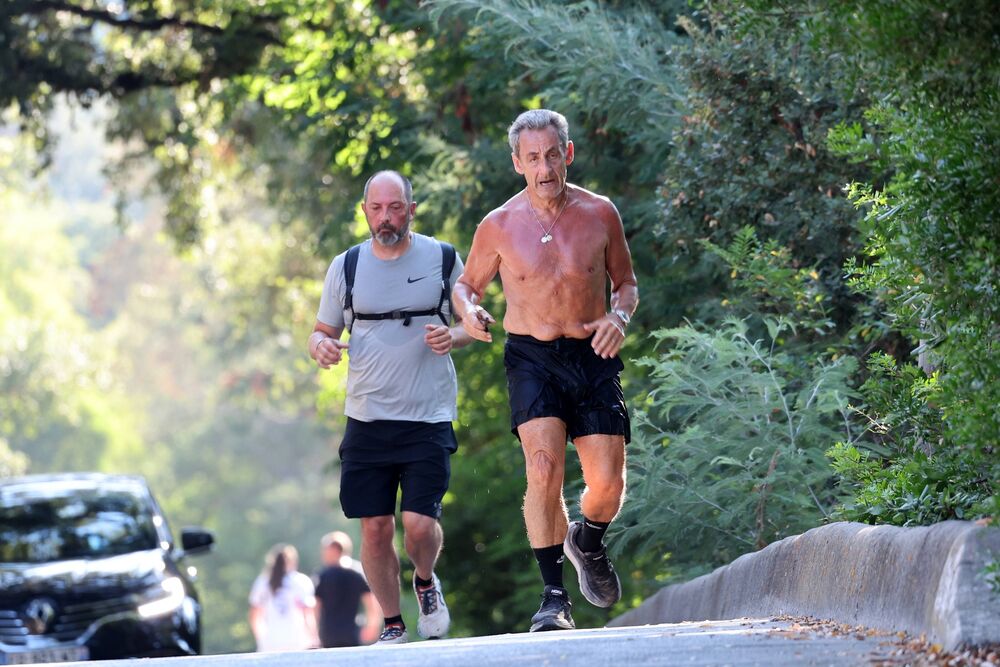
x=738 y=642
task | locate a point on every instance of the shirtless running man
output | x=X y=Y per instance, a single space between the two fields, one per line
x=555 y=245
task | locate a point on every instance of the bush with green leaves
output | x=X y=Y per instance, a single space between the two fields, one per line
x=767 y=280
x=728 y=449
x=902 y=472
x=932 y=261
x=932 y=227
x=928 y=219
x=751 y=151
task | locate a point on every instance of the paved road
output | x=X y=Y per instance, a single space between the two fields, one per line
x=717 y=643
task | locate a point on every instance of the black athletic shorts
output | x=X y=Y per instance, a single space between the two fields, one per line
x=564 y=378
x=380 y=458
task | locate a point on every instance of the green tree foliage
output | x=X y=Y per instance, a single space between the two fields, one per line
x=91 y=49
x=769 y=281
x=12 y=463
x=729 y=447
x=571 y=48
x=932 y=259
x=750 y=182
x=933 y=241
x=57 y=403
x=730 y=442
x=751 y=151
x=327 y=107
x=917 y=482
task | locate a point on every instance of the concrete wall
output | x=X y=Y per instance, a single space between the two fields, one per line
x=925 y=580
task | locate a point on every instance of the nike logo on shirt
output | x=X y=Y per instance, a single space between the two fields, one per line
x=413 y=280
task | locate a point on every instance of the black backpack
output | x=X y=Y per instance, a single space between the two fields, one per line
x=351 y=268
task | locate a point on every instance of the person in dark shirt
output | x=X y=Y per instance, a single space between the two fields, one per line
x=340 y=590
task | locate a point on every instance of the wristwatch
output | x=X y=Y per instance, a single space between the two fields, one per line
x=622 y=315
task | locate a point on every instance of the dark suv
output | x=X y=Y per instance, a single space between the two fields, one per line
x=90 y=571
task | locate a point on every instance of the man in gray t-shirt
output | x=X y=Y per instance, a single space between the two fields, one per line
x=401 y=390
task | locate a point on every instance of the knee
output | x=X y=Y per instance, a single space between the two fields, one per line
x=543 y=470
x=378 y=531
x=608 y=484
x=419 y=528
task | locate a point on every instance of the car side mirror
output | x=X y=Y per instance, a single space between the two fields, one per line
x=196 y=540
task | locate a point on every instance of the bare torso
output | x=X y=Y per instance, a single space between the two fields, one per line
x=552 y=289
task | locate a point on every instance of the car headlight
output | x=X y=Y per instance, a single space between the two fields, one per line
x=168 y=597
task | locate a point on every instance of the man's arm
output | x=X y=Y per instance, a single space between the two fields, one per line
x=311 y=622
x=256 y=618
x=319 y=612
x=624 y=288
x=325 y=346
x=459 y=337
x=442 y=339
x=480 y=268
x=609 y=331
x=373 y=618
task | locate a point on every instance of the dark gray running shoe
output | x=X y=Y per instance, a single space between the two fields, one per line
x=598 y=581
x=554 y=612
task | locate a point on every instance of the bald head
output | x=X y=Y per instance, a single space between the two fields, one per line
x=388 y=176
x=389 y=208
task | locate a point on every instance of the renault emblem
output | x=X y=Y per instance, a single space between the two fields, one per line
x=38 y=616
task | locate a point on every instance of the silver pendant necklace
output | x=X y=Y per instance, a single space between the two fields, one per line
x=547 y=233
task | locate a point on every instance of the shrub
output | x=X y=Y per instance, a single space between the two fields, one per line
x=728 y=450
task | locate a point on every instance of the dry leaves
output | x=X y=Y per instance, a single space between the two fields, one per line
x=903 y=650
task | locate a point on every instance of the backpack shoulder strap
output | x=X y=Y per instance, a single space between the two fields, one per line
x=447 y=266
x=447 y=261
x=350 y=270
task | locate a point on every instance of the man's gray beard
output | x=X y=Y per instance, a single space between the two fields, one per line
x=387 y=239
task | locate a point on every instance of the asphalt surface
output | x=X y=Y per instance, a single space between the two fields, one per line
x=739 y=642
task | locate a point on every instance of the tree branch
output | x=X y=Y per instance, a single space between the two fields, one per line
x=36 y=7
x=104 y=16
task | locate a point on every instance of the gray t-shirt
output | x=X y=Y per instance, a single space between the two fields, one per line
x=392 y=374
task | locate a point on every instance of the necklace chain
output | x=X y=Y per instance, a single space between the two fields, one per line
x=547 y=233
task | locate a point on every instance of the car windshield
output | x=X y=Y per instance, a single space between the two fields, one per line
x=41 y=527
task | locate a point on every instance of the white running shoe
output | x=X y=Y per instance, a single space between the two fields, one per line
x=393 y=634
x=433 y=619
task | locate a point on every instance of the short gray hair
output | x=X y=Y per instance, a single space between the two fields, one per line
x=407 y=186
x=538 y=119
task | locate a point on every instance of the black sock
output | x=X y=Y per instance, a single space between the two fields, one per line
x=421 y=583
x=591 y=534
x=395 y=620
x=550 y=562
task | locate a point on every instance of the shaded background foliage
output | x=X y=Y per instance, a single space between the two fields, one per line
x=725 y=132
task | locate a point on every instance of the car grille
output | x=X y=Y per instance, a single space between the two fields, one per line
x=71 y=621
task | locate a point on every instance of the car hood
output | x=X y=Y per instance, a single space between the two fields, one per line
x=129 y=571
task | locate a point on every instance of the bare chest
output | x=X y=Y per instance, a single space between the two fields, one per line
x=574 y=250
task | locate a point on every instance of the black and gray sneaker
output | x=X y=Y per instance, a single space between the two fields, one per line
x=598 y=581
x=554 y=612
